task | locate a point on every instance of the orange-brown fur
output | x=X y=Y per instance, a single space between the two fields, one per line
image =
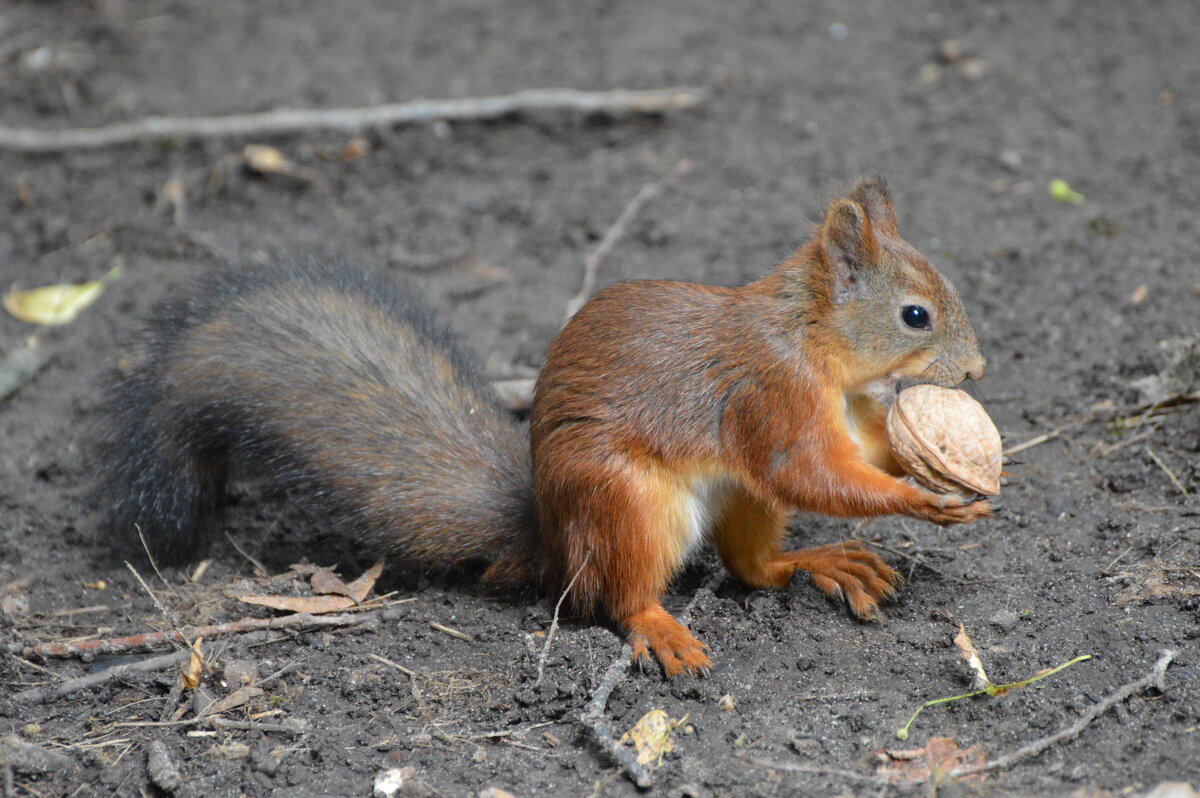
x=666 y=414
x=655 y=387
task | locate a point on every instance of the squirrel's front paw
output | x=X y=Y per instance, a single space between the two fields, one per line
x=950 y=508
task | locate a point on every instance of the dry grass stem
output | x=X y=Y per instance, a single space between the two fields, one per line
x=1154 y=678
x=450 y=631
x=1167 y=470
x=541 y=669
x=591 y=264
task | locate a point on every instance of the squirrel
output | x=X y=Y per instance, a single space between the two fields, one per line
x=665 y=413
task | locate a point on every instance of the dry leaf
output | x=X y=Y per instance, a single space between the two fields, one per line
x=360 y=588
x=191 y=672
x=651 y=736
x=56 y=304
x=962 y=641
x=325 y=582
x=234 y=700
x=337 y=596
x=1139 y=294
x=917 y=766
x=266 y=160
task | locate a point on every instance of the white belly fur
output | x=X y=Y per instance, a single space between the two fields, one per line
x=703 y=504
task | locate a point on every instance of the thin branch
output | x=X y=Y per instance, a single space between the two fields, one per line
x=596 y=722
x=1154 y=678
x=120 y=645
x=594 y=719
x=591 y=264
x=42 y=695
x=293 y=120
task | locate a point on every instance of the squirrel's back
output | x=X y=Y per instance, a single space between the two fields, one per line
x=324 y=379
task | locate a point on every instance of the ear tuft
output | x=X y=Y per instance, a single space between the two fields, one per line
x=849 y=246
x=873 y=195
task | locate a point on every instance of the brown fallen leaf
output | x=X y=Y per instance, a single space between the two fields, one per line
x=336 y=595
x=313 y=605
x=360 y=588
x=325 y=581
x=920 y=765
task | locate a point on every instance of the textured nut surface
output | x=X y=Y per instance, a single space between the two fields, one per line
x=945 y=440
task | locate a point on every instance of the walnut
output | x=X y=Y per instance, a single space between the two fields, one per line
x=945 y=440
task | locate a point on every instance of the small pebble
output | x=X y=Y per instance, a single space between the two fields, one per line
x=1004 y=620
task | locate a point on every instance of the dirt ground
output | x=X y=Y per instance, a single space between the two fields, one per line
x=970 y=109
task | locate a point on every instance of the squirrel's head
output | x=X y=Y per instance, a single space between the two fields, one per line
x=898 y=316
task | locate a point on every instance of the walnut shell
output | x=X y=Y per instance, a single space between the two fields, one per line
x=945 y=440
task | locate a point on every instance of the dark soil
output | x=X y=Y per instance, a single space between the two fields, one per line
x=1097 y=551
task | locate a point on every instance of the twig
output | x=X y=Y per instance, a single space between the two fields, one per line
x=294 y=726
x=161 y=607
x=77 y=611
x=1133 y=417
x=31 y=757
x=153 y=564
x=1155 y=677
x=289 y=727
x=1171 y=474
x=817 y=770
x=1040 y=439
x=42 y=695
x=259 y=568
x=413 y=677
x=187 y=634
x=917 y=560
x=541 y=669
x=594 y=719
x=591 y=264
x=450 y=631
x=292 y=120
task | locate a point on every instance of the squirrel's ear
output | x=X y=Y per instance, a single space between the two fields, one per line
x=873 y=195
x=849 y=246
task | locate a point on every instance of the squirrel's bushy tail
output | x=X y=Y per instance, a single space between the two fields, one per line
x=334 y=384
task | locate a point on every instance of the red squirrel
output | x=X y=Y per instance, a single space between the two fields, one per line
x=666 y=413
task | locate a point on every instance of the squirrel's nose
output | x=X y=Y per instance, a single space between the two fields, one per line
x=974 y=368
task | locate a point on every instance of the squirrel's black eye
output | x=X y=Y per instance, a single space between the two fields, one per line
x=915 y=316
